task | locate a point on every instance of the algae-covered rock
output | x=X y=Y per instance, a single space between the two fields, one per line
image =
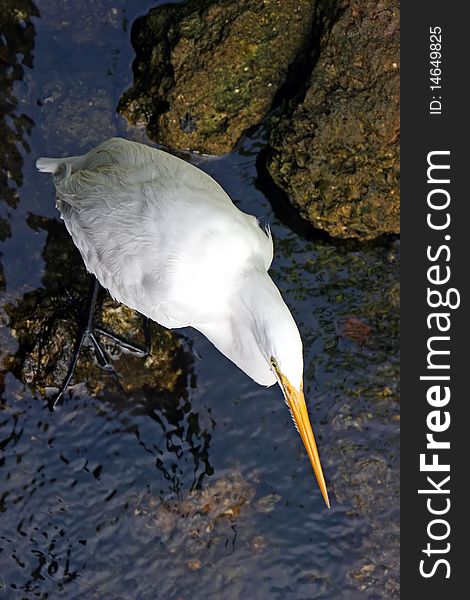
x=206 y=70
x=46 y=321
x=337 y=154
x=197 y=526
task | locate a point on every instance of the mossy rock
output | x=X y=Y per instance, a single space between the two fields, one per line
x=206 y=71
x=337 y=154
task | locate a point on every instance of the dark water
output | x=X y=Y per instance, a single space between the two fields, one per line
x=107 y=498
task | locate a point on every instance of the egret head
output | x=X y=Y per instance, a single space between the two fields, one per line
x=262 y=338
x=286 y=361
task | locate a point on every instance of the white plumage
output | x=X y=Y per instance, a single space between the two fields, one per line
x=165 y=239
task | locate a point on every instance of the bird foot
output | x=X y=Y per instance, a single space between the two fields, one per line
x=89 y=331
x=126 y=345
x=101 y=357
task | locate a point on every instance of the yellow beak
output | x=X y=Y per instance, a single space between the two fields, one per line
x=296 y=402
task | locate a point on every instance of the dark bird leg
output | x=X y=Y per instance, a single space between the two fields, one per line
x=87 y=333
x=86 y=329
x=148 y=335
x=89 y=327
x=140 y=350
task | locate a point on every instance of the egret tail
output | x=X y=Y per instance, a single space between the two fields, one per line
x=52 y=165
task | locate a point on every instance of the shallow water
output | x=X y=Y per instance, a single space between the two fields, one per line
x=113 y=498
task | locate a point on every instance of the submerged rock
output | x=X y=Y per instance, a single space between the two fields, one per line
x=373 y=478
x=357 y=359
x=206 y=70
x=199 y=524
x=337 y=154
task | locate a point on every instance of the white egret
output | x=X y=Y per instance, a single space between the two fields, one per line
x=166 y=240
